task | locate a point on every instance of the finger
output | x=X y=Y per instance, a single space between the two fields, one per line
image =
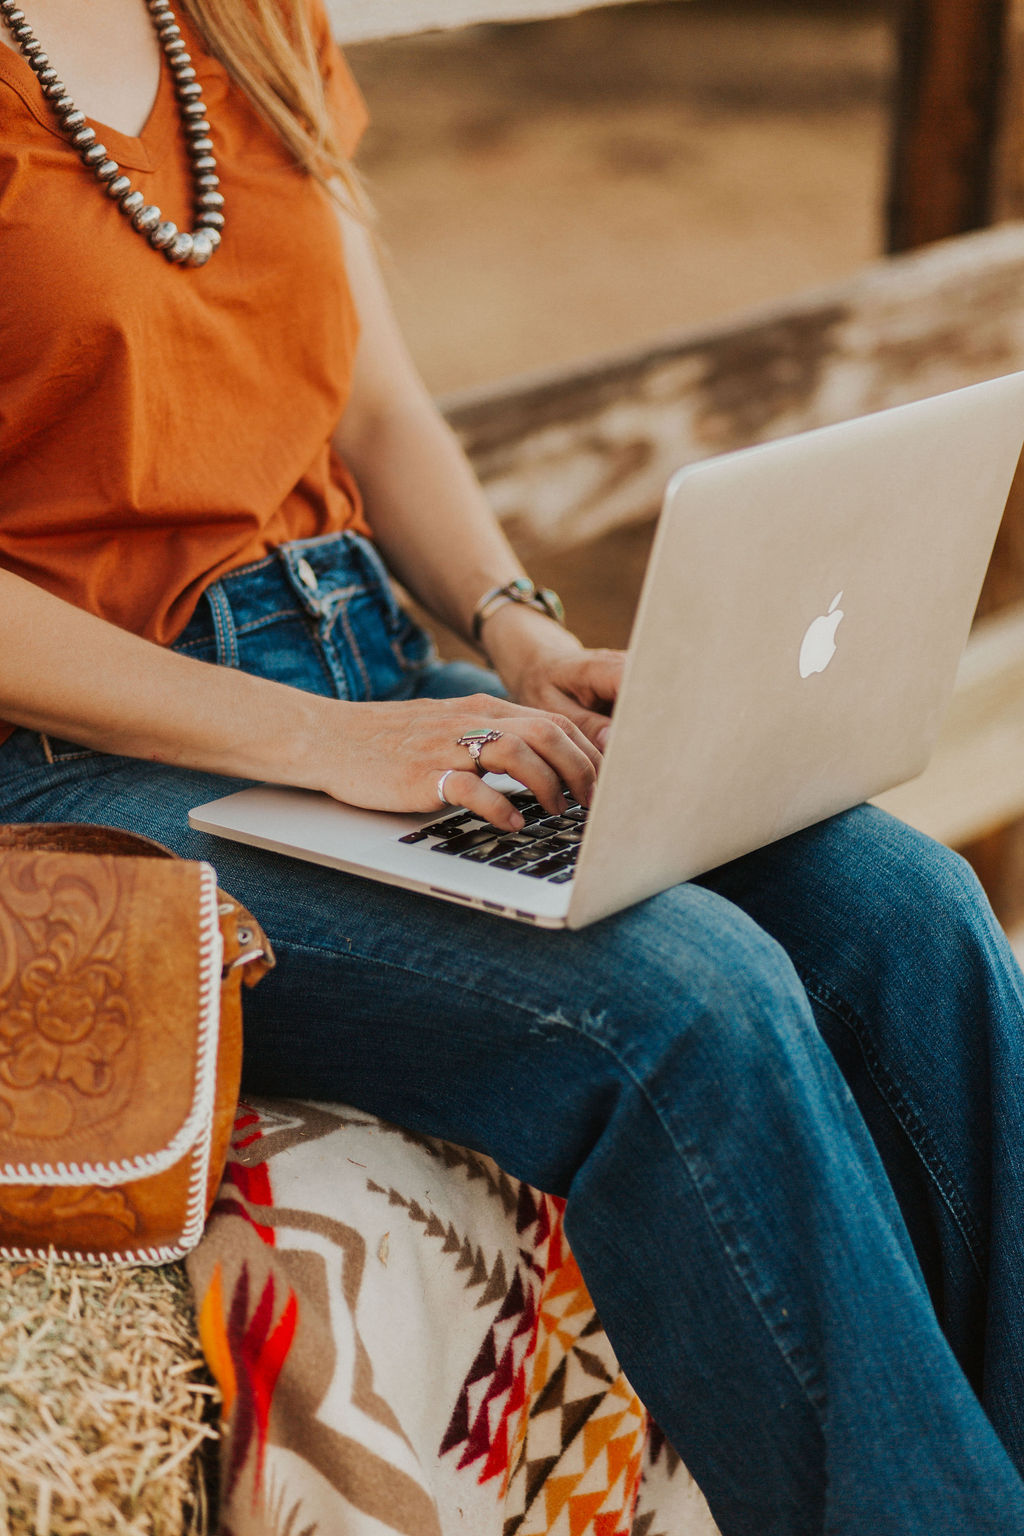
x=576 y=734
x=556 y=706
x=567 y=714
x=523 y=719
x=594 y=727
x=602 y=676
x=520 y=760
x=469 y=791
x=567 y=756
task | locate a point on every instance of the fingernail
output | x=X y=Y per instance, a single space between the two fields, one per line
x=602 y=738
x=516 y=822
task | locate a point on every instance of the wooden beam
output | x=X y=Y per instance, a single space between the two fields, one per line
x=571 y=454
x=949 y=96
x=1008 y=194
x=357 y=21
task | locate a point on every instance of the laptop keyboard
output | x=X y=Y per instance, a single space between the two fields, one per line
x=546 y=848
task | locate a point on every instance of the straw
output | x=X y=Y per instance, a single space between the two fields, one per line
x=107 y=1411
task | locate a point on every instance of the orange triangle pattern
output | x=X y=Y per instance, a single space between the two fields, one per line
x=545 y=1412
x=584 y=1459
x=556 y=1495
x=583 y=1509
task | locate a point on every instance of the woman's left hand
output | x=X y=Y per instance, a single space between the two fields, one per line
x=583 y=686
x=549 y=669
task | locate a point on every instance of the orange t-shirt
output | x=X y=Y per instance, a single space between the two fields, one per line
x=160 y=425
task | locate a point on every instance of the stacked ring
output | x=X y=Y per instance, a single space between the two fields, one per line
x=474 y=743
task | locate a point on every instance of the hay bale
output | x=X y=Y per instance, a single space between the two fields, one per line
x=107 y=1410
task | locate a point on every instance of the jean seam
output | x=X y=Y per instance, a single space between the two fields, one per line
x=223 y=626
x=238 y=571
x=251 y=626
x=412 y=668
x=342 y=613
x=544 y=1024
x=907 y=1115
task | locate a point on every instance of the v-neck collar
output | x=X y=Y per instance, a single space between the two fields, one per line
x=141 y=153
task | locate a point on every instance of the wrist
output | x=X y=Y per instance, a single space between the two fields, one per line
x=518 y=637
x=311 y=739
x=521 y=591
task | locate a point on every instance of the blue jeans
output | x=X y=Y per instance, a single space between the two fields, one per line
x=785 y=1103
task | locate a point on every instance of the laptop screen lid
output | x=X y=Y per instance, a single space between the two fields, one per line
x=805 y=607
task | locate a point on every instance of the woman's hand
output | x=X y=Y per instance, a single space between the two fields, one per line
x=583 y=686
x=547 y=668
x=393 y=754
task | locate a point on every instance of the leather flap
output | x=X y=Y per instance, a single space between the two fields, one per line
x=109 y=1007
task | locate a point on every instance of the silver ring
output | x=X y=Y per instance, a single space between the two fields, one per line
x=440 y=786
x=474 y=743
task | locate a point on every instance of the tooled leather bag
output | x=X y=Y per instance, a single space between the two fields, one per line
x=121 y=968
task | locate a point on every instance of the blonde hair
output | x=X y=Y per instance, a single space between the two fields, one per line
x=269 y=49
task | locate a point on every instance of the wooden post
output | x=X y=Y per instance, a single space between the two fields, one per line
x=958 y=165
x=1008 y=197
x=949 y=100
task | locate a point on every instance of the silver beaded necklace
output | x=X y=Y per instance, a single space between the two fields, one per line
x=191 y=250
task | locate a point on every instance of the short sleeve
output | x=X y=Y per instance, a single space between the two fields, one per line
x=344 y=98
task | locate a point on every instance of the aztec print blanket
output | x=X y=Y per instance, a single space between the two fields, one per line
x=404 y=1344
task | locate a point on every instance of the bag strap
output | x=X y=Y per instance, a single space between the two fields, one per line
x=73 y=837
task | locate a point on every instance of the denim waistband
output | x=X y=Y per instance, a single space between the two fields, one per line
x=312 y=576
x=318 y=614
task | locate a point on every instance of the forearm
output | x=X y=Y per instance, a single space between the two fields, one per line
x=427 y=511
x=436 y=530
x=71 y=675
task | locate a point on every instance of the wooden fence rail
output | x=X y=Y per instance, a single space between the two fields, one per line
x=570 y=454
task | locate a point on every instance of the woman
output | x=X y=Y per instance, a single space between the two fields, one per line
x=784 y=1103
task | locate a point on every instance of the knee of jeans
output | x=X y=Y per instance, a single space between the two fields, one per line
x=926 y=898
x=710 y=998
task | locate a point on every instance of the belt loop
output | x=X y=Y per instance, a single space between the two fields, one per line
x=223 y=626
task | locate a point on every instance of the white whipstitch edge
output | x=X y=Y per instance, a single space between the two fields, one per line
x=198 y=1123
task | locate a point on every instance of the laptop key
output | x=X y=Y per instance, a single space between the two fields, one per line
x=484 y=853
x=544 y=868
x=562 y=878
x=463 y=841
x=449 y=825
x=416 y=837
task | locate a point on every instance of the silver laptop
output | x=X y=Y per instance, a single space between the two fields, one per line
x=804 y=610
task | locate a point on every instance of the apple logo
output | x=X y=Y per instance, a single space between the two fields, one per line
x=819 y=645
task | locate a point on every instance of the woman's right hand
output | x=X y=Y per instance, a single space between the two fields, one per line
x=393 y=754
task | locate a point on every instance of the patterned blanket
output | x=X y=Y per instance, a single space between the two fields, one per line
x=404 y=1344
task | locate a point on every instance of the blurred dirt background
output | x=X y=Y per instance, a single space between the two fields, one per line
x=555 y=190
